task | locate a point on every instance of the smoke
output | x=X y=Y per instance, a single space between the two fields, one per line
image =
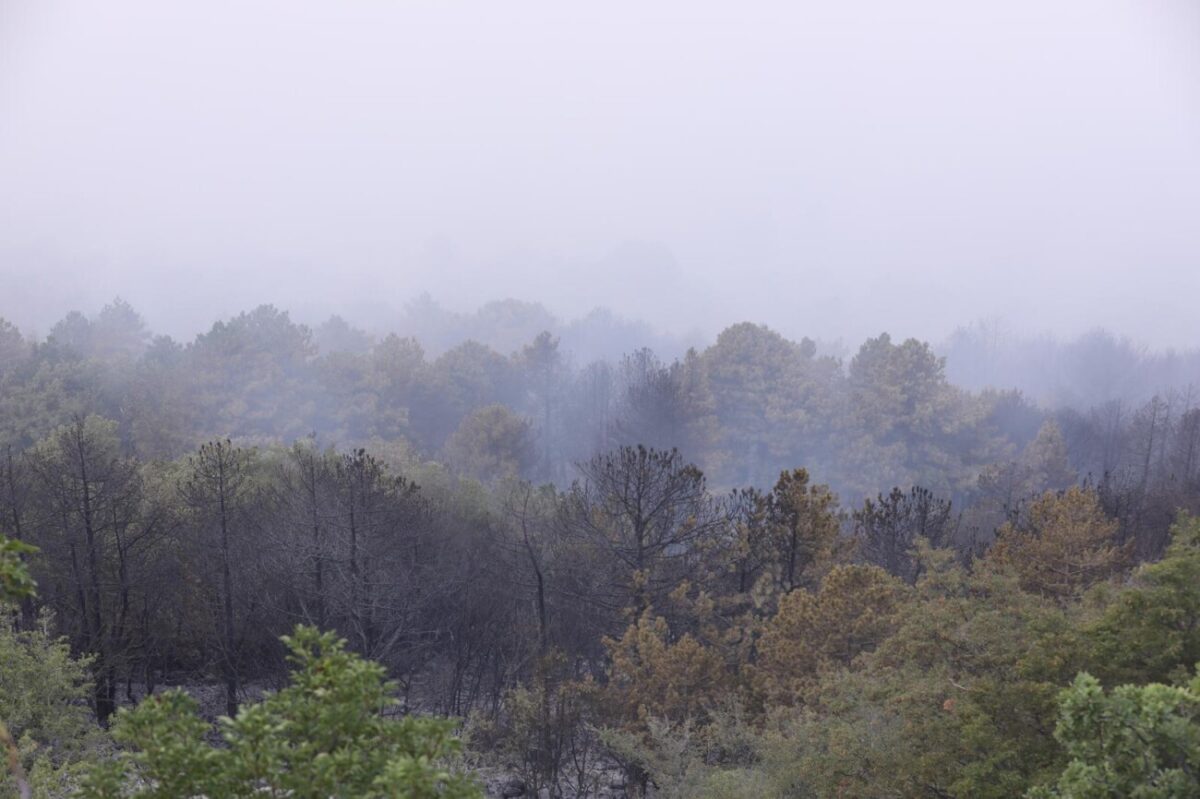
x=830 y=169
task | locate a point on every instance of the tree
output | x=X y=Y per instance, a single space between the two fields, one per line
x=328 y=733
x=648 y=405
x=45 y=723
x=645 y=511
x=252 y=374
x=801 y=528
x=543 y=370
x=305 y=491
x=373 y=396
x=590 y=415
x=91 y=524
x=336 y=335
x=163 y=408
x=958 y=701
x=888 y=529
x=530 y=514
x=15 y=582
x=72 y=335
x=1065 y=546
x=1186 y=455
x=1045 y=461
x=774 y=400
x=653 y=674
x=745 y=555
x=118 y=332
x=492 y=442
x=545 y=729
x=1003 y=488
x=217 y=488
x=14 y=349
x=508 y=322
x=1138 y=741
x=460 y=382
x=854 y=610
x=1151 y=630
x=376 y=511
x=915 y=427
x=653 y=678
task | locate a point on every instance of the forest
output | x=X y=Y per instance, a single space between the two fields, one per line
x=320 y=561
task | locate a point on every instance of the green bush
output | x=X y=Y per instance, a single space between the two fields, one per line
x=328 y=734
x=1140 y=741
x=15 y=581
x=43 y=704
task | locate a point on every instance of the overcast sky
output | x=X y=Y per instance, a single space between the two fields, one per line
x=830 y=168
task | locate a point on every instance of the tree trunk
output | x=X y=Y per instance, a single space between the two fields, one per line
x=231 y=676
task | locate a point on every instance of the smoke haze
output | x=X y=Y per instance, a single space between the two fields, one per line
x=830 y=169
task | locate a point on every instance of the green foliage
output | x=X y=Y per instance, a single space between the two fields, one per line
x=249 y=372
x=801 y=528
x=900 y=388
x=331 y=732
x=15 y=580
x=686 y=760
x=491 y=443
x=772 y=399
x=43 y=692
x=957 y=701
x=1139 y=741
x=909 y=425
x=1151 y=632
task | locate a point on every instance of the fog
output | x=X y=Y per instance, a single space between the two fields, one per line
x=599 y=400
x=830 y=169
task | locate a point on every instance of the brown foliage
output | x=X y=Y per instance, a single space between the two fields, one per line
x=1065 y=546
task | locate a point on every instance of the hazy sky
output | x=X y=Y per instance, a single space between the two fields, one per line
x=831 y=168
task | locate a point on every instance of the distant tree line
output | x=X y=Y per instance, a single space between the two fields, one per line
x=743 y=409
